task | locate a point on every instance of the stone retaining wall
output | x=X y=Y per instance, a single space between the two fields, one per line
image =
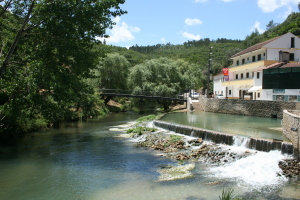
x=257 y=108
x=290 y=128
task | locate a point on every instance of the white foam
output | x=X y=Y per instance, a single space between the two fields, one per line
x=258 y=170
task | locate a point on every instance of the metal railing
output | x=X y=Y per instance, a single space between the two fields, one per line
x=181 y=95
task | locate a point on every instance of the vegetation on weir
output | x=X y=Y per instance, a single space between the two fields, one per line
x=52 y=65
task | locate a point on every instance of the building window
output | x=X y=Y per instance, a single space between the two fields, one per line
x=229 y=92
x=238 y=63
x=247 y=75
x=279 y=97
x=257 y=76
x=258 y=95
x=236 y=76
x=248 y=59
x=292 y=42
x=252 y=74
x=264 y=54
x=242 y=76
x=259 y=57
x=292 y=57
x=243 y=61
x=222 y=92
x=293 y=98
x=253 y=59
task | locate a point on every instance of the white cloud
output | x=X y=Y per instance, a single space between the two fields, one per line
x=286 y=13
x=271 y=5
x=201 y=1
x=191 y=36
x=257 y=26
x=227 y=0
x=121 y=32
x=127 y=47
x=163 y=39
x=192 y=22
x=135 y=29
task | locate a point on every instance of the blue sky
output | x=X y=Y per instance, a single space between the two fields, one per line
x=151 y=22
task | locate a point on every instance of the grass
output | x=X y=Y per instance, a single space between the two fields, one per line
x=175 y=138
x=146 y=118
x=140 y=130
x=227 y=194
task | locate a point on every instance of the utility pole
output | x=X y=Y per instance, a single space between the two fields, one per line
x=208 y=72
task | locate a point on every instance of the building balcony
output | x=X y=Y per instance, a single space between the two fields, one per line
x=251 y=65
x=244 y=81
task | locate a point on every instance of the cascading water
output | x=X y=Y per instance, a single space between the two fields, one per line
x=241 y=141
x=259 y=144
x=254 y=172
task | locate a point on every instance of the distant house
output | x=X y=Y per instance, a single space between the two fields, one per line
x=245 y=75
x=218 y=88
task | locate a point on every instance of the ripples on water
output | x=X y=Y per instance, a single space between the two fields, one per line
x=84 y=161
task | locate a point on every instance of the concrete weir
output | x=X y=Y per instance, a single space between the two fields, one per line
x=259 y=144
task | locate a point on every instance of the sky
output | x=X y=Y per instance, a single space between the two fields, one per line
x=151 y=22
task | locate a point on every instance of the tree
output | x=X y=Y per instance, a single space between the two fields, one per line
x=161 y=77
x=112 y=72
x=46 y=55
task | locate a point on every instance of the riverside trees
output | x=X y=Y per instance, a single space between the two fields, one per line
x=45 y=54
x=162 y=77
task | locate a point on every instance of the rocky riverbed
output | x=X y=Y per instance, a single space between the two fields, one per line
x=187 y=149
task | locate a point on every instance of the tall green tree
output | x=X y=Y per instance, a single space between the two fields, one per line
x=46 y=54
x=112 y=73
x=161 y=77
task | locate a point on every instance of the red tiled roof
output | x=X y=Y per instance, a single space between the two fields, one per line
x=291 y=65
x=279 y=65
x=255 y=47
x=274 y=65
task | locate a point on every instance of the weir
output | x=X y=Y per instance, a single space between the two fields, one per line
x=259 y=144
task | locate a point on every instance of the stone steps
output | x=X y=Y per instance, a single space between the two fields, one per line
x=197 y=106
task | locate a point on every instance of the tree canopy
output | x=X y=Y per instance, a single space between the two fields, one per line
x=45 y=54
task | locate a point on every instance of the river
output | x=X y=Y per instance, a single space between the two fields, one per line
x=85 y=160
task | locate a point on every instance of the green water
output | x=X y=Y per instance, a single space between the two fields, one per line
x=86 y=161
x=261 y=127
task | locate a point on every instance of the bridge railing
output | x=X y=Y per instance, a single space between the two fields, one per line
x=180 y=95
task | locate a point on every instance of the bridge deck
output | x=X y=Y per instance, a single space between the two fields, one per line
x=181 y=98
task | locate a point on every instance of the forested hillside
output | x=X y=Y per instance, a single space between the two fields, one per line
x=291 y=24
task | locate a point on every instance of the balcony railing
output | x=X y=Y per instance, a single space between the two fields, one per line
x=247 y=62
x=262 y=58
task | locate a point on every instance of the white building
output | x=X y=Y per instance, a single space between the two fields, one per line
x=218 y=88
x=245 y=78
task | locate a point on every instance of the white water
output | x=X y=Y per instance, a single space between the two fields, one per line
x=254 y=172
x=240 y=141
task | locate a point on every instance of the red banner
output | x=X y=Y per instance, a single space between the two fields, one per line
x=225 y=71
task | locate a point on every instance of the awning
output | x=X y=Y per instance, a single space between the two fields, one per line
x=244 y=87
x=253 y=89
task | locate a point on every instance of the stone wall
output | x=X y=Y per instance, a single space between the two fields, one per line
x=290 y=128
x=257 y=108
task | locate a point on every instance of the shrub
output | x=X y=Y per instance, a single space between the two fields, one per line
x=175 y=138
x=146 y=118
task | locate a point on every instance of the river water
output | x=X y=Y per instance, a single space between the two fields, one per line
x=260 y=127
x=86 y=161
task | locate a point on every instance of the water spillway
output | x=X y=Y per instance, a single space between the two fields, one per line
x=259 y=144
